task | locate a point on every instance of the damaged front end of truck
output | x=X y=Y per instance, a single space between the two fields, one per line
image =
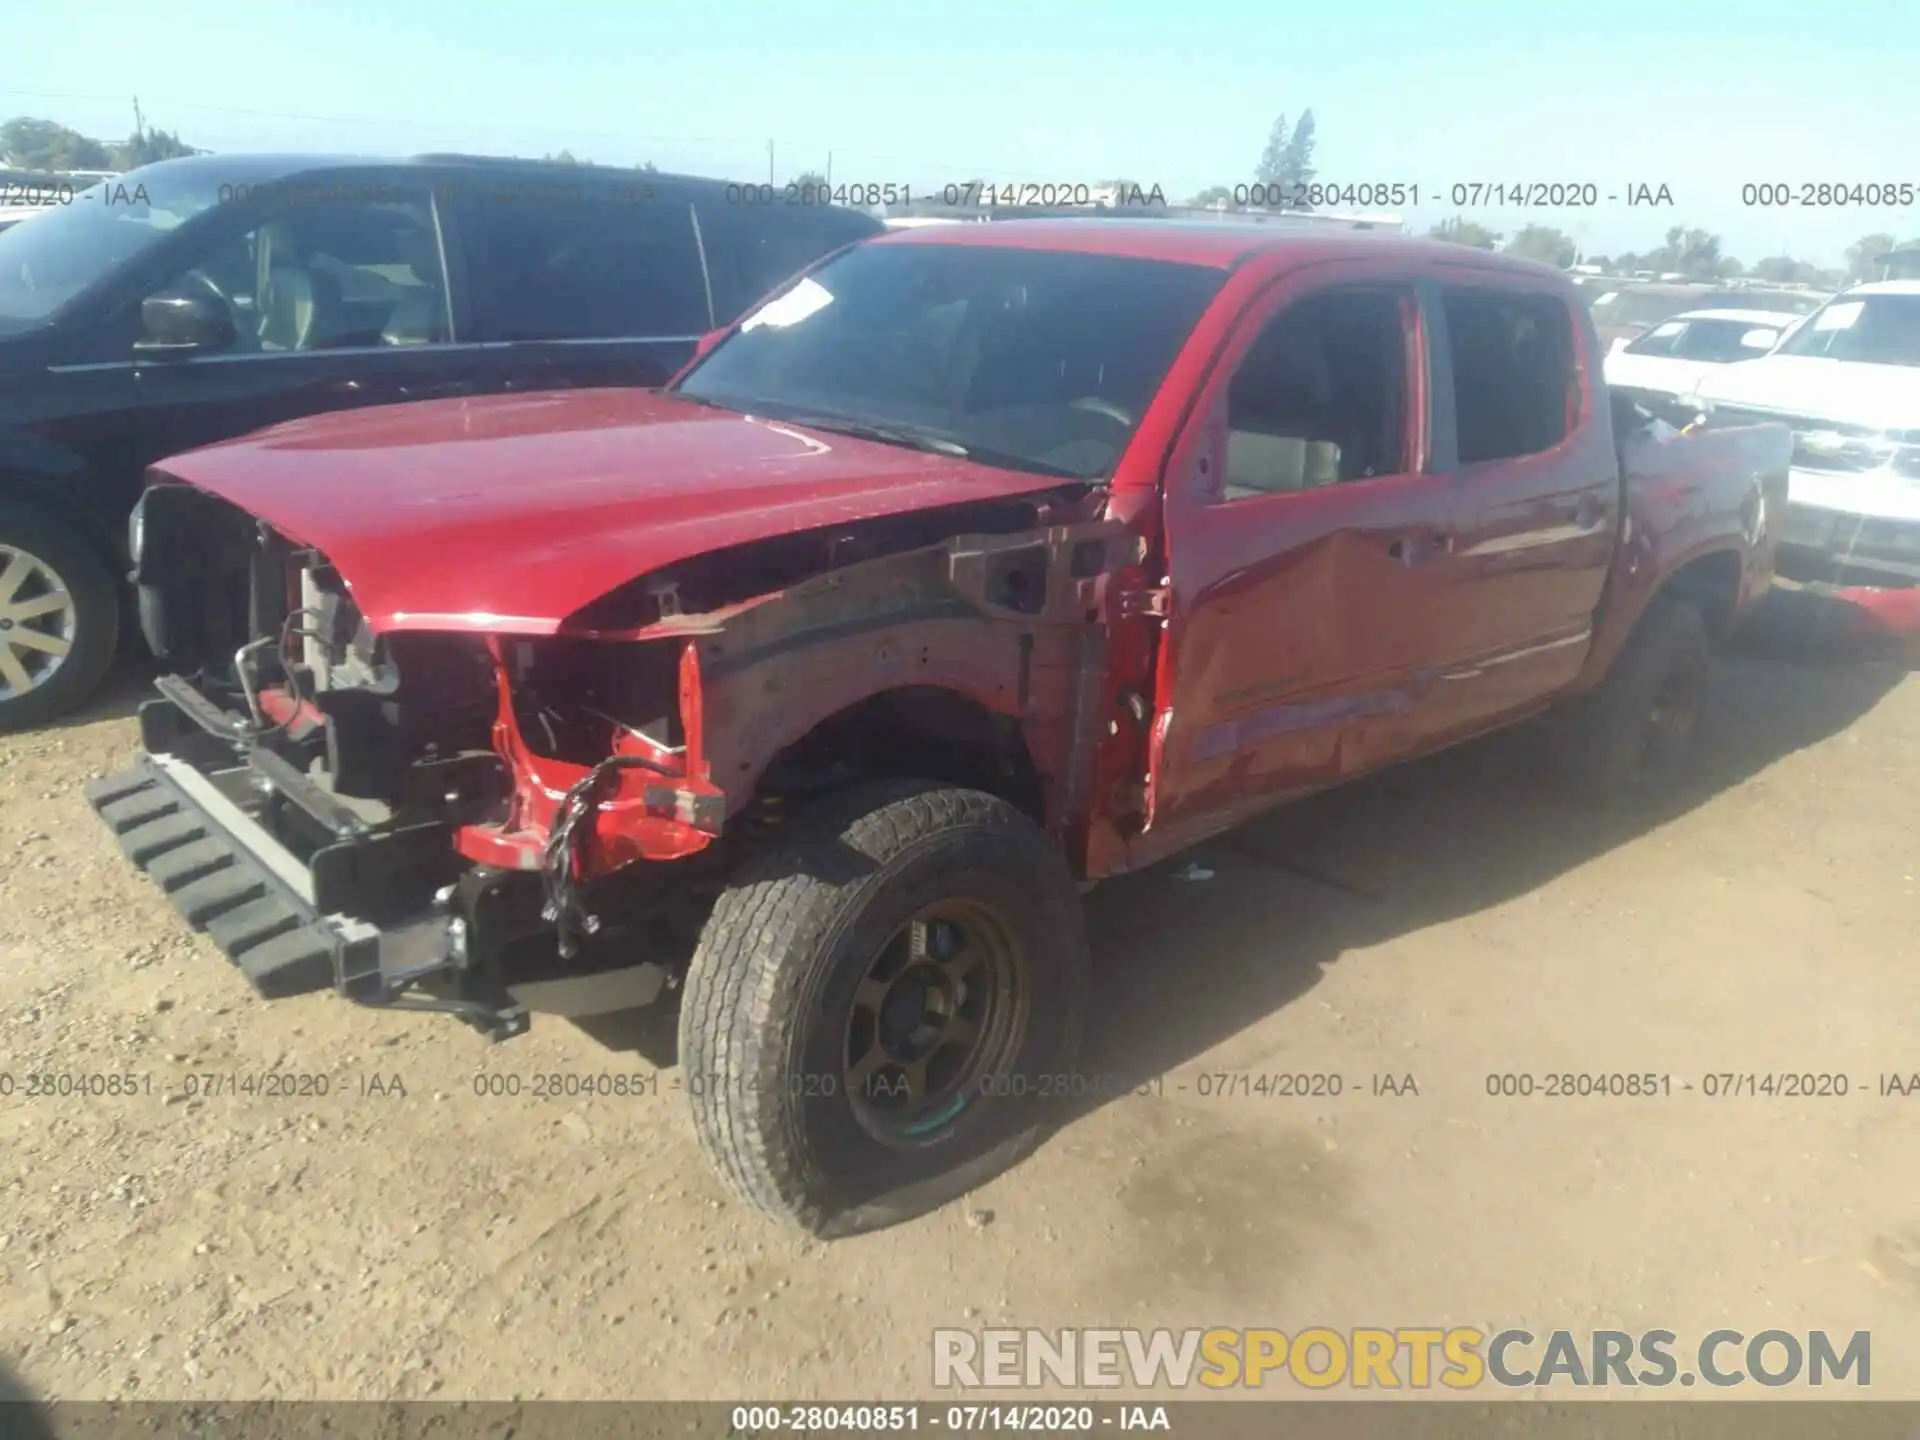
x=493 y=815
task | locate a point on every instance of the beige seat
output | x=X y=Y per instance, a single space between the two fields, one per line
x=1262 y=464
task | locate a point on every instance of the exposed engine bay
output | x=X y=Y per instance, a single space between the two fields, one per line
x=482 y=814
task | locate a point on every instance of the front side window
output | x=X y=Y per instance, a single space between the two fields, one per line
x=1321 y=396
x=1036 y=359
x=66 y=250
x=327 y=274
x=1513 y=375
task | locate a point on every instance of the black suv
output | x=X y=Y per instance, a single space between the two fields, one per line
x=200 y=299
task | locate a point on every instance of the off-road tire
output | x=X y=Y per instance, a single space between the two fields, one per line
x=97 y=615
x=769 y=992
x=1608 y=746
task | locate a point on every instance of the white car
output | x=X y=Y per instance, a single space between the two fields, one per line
x=1677 y=354
x=1848 y=381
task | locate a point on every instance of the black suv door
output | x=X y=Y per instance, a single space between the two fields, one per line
x=339 y=299
x=586 y=287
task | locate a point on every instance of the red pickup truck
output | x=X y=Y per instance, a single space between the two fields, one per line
x=976 y=565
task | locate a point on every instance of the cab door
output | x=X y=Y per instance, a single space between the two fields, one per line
x=1300 y=528
x=1536 y=487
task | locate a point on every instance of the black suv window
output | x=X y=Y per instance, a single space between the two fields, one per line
x=327 y=272
x=751 y=249
x=592 y=267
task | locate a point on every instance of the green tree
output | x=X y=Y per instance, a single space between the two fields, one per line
x=144 y=147
x=1213 y=195
x=810 y=180
x=1863 y=256
x=1781 y=270
x=31 y=144
x=1462 y=231
x=1287 y=162
x=1544 y=243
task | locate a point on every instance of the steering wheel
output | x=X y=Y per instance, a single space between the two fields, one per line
x=1094 y=405
x=246 y=334
x=207 y=283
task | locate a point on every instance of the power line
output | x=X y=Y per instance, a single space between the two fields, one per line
x=922 y=163
x=388 y=122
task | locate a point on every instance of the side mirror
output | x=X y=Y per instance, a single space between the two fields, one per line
x=182 y=325
x=708 y=341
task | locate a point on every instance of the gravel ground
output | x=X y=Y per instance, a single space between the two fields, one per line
x=403 y=1235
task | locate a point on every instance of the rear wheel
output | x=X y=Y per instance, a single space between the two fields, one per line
x=882 y=1004
x=1634 y=734
x=59 y=619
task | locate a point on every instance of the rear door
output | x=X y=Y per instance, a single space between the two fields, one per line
x=1535 y=492
x=1299 y=521
x=593 y=287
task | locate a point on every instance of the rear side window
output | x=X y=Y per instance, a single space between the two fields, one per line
x=1513 y=379
x=752 y=249
x=593 y=268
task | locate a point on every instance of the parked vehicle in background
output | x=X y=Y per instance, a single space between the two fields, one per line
x=1848 y=382
x=1631 y=310
x=981 y=562
x=201 y=298
x=1673 y=356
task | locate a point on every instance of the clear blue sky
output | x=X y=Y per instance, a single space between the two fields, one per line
x=1701 y=97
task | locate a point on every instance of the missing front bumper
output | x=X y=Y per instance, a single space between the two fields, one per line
x=228 y=876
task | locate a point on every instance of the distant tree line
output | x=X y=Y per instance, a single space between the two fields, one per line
x=1287 y=166
x=1692 y=253
x=30 y=144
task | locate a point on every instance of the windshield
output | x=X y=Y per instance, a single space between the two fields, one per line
x=1721 y=341
x=65 y=249
x=1867 y=329
x=1035 y=359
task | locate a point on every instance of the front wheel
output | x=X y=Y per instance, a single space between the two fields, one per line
x=59 y=619
x=882 y=1004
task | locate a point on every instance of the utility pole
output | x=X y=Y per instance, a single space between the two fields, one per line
x=770 y=162
x=139 y=121
x=829 y=172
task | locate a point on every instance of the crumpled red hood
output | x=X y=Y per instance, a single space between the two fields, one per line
x=510 y=512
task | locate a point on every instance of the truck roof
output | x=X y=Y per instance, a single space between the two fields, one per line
x=1200 y=242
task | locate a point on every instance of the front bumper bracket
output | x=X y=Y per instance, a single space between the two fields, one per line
x=227 y=876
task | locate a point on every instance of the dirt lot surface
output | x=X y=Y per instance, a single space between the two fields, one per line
x=1444 y=922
